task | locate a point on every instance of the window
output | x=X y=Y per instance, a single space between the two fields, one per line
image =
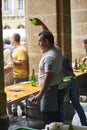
x=7 y=27
x=20 y=4
x=21 y=26
x=6 y=7
x=9 y=7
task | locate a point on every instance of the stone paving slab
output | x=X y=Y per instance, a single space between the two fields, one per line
x=18 y=123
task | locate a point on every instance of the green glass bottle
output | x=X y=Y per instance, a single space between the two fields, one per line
x=33 y=78
x=83 y=67
x=76 y=66
x=34 y=21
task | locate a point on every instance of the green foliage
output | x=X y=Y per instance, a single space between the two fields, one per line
x=70 y=127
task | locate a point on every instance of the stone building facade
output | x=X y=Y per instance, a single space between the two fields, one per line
x=13 y=14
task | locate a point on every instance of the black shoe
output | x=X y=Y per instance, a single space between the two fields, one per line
x=15 y=114
x=23 y=114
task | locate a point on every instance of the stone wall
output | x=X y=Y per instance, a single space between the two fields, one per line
x=79 y=27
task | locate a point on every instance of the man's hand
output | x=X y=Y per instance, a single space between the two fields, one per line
x=84 y=59
x=36 y=98
x=36 y=21
x=19 y=62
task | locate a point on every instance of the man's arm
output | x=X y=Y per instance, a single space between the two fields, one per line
x=20 y=62
x=7 y=68
x=21 y=58
x=40 y=23
x=8 y=62
x=48 y=78
x=84 y=59
x=44 y=27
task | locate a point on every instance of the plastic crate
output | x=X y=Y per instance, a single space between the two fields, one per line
x=24 y=128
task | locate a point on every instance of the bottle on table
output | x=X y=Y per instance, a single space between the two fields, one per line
x=79 y=64
x=33 y=78
x=76 y=64
x=83 y=67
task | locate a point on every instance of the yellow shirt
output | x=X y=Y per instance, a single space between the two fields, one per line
x=19 y=71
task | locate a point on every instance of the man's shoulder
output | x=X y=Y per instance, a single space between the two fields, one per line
x=6 y=50
x=20 y=48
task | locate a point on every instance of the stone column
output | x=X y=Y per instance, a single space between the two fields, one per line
x=3 y=114
x=64 y=26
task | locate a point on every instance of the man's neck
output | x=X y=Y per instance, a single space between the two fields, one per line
x=17 y=45
x=49 y=48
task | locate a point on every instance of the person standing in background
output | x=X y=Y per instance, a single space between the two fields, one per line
x=8 y=66
x=8 y=72
x=61 y=85
x=73 y=90
x=85 y=47
x=8 y=45
x=20 y=67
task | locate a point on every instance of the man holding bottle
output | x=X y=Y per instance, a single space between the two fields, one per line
x=50 y=76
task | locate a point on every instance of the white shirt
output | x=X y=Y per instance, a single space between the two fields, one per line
x=51 y=61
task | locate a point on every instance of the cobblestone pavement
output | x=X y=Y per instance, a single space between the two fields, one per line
x=19 y=123
x=22 y=122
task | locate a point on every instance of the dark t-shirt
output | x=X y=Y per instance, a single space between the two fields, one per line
x=67 y=69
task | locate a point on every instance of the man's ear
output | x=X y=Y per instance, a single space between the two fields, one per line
x=47 y=41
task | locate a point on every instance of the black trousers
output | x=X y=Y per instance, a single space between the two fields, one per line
x=50 y=117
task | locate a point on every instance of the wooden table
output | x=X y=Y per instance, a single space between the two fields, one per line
x=82 y=80
x=79 y=73
x=16 y=96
